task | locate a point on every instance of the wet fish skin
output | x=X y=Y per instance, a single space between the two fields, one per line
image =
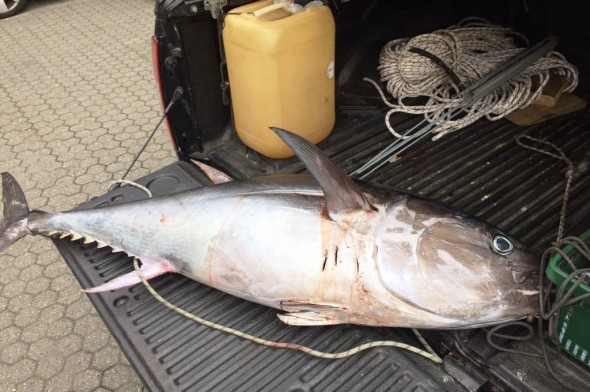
x=278 y=241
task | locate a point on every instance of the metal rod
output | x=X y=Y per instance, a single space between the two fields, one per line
x=508 y=70
x=400 y=145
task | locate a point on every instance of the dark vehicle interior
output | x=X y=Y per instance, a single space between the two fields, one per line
x=480 y=170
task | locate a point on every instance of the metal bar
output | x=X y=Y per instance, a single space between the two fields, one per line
x=508 y=70
x=400 y=145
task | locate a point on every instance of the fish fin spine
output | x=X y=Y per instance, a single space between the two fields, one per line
x=73 y=237
x=101 y=244
x=215 y=175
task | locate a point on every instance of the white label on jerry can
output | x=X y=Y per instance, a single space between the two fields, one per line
x=330 y=72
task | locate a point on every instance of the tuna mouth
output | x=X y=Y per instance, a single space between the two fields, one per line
x=520 y=277
x=524 y=265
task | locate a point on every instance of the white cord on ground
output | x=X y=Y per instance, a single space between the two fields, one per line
x=471 y=49
x=134 y=184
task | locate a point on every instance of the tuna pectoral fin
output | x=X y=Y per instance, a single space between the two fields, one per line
x=149 y=270
x=307 y=313
x=303 y=319
x=13 y=224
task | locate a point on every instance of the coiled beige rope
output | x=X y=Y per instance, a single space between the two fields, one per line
x=471 y=49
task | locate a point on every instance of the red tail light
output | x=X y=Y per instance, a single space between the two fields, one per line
x=158 y=77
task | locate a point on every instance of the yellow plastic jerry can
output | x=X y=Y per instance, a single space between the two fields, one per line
x=281 y=73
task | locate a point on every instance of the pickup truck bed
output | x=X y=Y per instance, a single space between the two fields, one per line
x=479 y=170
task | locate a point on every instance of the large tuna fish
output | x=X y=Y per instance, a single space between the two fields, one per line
x=323 y=249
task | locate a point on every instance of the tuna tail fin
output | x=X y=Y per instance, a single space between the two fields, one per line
x=12 y=225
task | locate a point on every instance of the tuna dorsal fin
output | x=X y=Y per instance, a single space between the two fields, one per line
x=216 y=176
x=344 y=199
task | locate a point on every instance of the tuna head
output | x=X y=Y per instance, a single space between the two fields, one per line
x=453 y=266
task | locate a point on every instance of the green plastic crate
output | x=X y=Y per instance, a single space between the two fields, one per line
x=573 y=321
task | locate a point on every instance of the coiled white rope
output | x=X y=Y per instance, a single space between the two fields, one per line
x=471 y=49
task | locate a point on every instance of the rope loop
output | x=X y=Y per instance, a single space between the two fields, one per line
x=435 y=66
x=131 y=183
x=569 y=173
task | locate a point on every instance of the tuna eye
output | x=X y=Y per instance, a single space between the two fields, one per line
x=502 y=245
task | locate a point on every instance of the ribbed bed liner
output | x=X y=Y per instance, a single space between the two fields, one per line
x=480 y=170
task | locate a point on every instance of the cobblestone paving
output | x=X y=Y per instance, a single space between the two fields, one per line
x=77 y=100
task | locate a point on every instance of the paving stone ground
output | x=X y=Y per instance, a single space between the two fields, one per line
x=77 y=100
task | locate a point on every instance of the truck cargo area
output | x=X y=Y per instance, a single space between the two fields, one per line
x=480 y=170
